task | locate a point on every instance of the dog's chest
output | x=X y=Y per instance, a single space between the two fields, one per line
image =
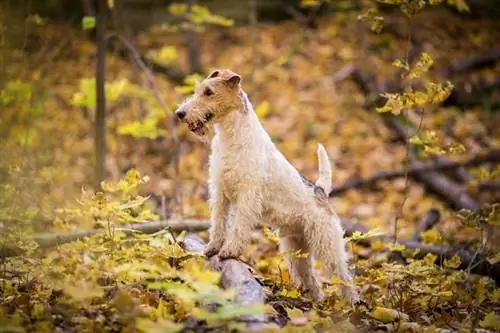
x=231 y=171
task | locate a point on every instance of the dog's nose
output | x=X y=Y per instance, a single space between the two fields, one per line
x=180 y=114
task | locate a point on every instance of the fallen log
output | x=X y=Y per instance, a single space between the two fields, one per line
x=478 y=95
x=440 y=165
x=449 y=190
x=480 y=266
x=49 y=240
x=439 y=184
x=487 y=59
x=234 y=275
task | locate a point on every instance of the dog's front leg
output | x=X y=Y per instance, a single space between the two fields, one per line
x=219 y=207
x=247 y=216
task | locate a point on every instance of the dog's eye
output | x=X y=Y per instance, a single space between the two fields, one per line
x=208 y=92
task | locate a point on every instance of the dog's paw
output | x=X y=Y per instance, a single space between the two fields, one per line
x=229 y=253
x=212 y=249
x=318 y=295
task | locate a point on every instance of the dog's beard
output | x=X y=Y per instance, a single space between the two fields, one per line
x=202 y=128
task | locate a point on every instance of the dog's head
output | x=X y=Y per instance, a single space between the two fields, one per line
x=215 y=97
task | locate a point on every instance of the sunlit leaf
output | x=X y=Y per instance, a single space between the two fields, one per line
x=454 y=262
x=490 y=321
x=88 y=22
x=387 y=315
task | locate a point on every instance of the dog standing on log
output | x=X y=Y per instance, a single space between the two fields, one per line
x=252 y=183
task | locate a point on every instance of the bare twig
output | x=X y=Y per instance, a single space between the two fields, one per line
x=305 y=20
x=344 y=73
x=428 y=222
x=175 y=140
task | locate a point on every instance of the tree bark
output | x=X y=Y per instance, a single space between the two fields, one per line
x=193 y=45
x=100 y=115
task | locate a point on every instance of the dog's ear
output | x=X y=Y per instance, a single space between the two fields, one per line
x=215 y=73
x=232 y=79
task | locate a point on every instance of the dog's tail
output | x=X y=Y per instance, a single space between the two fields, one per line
x=325 y=170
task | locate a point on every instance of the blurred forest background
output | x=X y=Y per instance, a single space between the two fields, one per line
x=103 y=195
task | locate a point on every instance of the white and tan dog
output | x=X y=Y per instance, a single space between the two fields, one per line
x=252 y=183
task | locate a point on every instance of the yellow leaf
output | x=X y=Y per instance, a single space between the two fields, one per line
x=262 y=110
x=431 y=237
x=292 y=293
x=421 y=66
x=491 y=321
x=271 y=236
x=285 y=276
x=167 y=54
x=496 y=295
x=397 y=247
x=357 y=236
x=494 y=259
x=309 y=3
x=454 y=262
x=377 y=245
x=387 y=315
x=430 y=259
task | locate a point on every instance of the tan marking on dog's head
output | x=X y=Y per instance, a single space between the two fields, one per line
x=213 y=98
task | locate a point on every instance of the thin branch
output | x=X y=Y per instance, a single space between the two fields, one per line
x=428 y=222
x=175 y=140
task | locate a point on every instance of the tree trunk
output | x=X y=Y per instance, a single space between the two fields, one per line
x=193 y=46
x=100 y=115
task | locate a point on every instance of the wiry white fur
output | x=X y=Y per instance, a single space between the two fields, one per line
x=325 y=170
x=252 y=183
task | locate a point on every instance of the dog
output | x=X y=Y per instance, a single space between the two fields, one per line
x=251 y=183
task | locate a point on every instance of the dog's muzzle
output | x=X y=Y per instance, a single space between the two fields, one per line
x=198 y=126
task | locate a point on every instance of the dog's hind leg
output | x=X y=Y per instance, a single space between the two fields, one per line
x=299 y=262
x=324 y=235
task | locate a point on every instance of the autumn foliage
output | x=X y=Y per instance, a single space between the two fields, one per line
x=124 y=280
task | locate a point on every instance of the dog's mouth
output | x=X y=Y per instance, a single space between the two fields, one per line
x=198 y=127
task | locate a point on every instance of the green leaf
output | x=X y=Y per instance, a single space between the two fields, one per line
x=88 y=22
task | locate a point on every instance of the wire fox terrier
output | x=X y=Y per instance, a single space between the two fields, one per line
x=252 y=183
